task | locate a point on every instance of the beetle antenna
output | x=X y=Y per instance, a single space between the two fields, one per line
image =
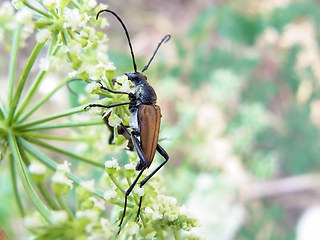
x=163 y=40
x=126 y=32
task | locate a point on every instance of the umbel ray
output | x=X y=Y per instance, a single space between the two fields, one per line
x=144 y=121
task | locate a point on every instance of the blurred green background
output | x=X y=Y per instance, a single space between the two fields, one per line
x=238 y=85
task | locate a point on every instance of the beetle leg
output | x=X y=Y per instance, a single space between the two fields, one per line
x=164 y=154
x=127 y=193
x=105 y=106
x=143 y=162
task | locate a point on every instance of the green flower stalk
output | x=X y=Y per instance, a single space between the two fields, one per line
x=67 y=201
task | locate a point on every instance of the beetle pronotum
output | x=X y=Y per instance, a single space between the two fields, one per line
x=144 y=120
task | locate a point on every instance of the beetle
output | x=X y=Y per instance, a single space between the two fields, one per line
x=144 y=121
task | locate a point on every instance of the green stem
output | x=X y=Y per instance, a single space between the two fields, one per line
x=37 y=10
x=46 y=195
x=42 y=101
x=15 y=187
x=23 y=79
x=115 y=181
x=13 y=60
x=53 y=137
x=51 y=117
x=63 y=205
x=2 y=113
x=160 y=234
x=61 y=125
x=66 y=153
x=53 y=165
x=30 y=93
x=25 y=178
x=176 y=234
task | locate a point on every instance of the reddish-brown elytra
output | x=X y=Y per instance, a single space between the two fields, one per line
x=144 y=121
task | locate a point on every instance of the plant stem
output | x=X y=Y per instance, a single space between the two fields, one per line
x=51 y=117
x=160 y=234
x=15 y=187
x=30 y=93
x=63 y=205
x=176 y=234
x=37 y=10
x=115 y=181
x=46 y=195
x=53 y=165
x=13 y=61
x=53 y=137
x=61 y=125
x=66 y=153
x=22 y=80
x=42 y=101
x=25 y=178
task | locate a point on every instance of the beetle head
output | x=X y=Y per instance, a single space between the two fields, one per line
x=137 y=78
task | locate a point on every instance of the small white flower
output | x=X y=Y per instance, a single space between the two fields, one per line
x=75 y=48
x=98 y=203
x=37 y=168
x=93 y=86
x=125 y=87
x=133 y=228
x=109 y=194
x=43 y=35
x=91 y=3
x=65 y=166
x=112 y=163
x=72 y=17
x=44 y=64
x=139 y=191
x=59 y=216
x=156 y=216
x=148 y=210
x=89 y=185
x=89 y=214
x=60 y=177
x=130 y=166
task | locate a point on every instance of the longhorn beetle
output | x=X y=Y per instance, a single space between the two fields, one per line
x=144 y=119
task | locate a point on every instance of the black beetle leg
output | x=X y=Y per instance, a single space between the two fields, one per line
x=105 y=106
x=127 y=193
x=164 y=154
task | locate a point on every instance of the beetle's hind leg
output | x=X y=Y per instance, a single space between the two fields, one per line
x=164 y=154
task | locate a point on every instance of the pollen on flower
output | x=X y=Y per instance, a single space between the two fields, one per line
x=109 y=194
x=37 y=168
x=59 y=216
